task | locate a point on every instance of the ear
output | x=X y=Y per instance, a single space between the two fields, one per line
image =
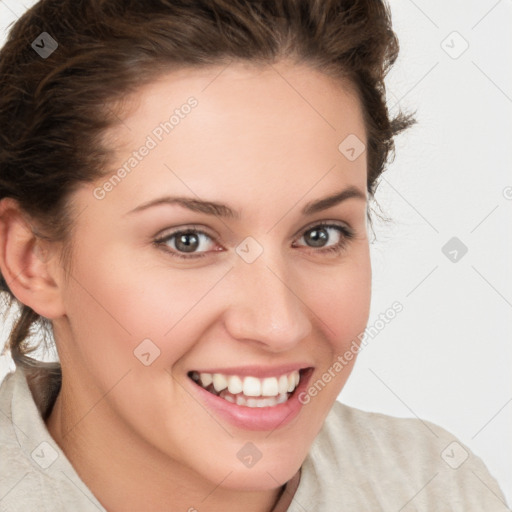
x=26 y=262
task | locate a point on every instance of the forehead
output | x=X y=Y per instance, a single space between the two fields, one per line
x=231 y=129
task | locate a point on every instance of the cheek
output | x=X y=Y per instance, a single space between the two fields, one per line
x=342 y=300
x=342 y=303
x=115 y=303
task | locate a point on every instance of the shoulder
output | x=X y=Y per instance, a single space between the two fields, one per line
x=374 y=430
x=8 y=428
x=19 y=483
x=397 y=459
x=34 y=472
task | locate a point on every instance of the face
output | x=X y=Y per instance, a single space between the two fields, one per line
x=265 y=285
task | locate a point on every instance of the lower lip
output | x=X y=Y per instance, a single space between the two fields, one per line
x=256 y=418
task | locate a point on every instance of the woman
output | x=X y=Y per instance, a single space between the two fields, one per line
x=184 y=208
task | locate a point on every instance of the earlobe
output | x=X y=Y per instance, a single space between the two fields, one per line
x=25 y=262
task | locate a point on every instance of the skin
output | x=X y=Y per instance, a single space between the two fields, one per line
x=133 y=432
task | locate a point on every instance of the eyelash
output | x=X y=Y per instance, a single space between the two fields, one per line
x=346 y=235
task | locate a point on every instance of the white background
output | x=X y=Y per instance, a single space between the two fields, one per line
x=446 y=357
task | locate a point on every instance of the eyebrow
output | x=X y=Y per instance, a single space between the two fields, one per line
x=222 y=210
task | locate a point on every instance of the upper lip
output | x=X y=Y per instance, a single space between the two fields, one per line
x=256 y=371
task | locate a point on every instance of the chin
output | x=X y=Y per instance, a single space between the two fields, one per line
x=262 y=476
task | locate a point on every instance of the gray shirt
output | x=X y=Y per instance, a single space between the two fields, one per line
x=360 y=461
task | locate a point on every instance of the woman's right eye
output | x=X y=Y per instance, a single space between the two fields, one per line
x=184 y=242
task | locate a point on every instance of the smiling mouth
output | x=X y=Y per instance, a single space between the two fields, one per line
x=250 y=391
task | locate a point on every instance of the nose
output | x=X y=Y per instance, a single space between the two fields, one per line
x=265 y=306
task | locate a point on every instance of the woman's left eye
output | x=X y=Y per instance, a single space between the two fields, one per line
x=321 y=233
x=185 y=242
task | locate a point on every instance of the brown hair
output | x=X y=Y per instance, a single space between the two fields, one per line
x=54 y=110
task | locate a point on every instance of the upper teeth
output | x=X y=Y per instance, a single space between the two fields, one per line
x=250 y=386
